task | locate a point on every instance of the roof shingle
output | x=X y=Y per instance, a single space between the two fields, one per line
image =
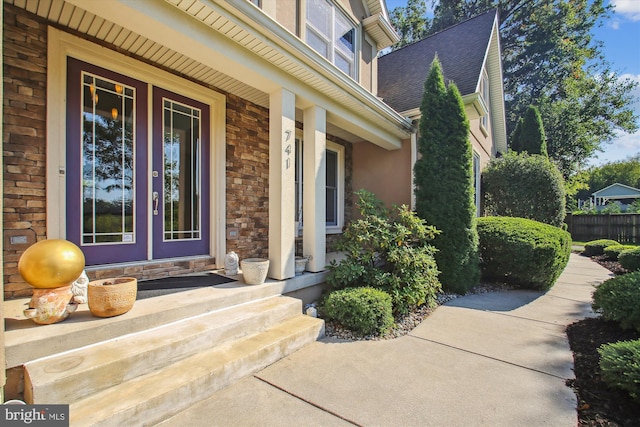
x=461 y=50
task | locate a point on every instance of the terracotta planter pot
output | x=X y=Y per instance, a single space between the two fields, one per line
x=254 y=270
x=112 y=297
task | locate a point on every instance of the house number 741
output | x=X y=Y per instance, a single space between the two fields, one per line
x=287 y=150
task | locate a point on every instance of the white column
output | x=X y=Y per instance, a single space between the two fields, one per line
x=315 y=187
x=282 y=184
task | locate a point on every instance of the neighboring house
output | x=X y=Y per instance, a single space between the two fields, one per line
x=470 y=56
x=623 y=194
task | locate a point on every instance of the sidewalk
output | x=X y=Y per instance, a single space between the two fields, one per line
x=496 y=359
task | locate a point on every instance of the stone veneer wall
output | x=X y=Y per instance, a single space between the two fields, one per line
x=247 y=178
x=24 y=138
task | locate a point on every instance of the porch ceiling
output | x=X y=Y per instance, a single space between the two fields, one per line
x=92 y=18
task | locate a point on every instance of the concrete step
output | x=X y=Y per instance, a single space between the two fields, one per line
x=72 y=375
x=26 y=341
x=157 y=395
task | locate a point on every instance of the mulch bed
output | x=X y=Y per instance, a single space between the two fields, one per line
x=598 y=404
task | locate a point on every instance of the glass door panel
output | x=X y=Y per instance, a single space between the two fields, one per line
x=180 y=176
x=106 y=207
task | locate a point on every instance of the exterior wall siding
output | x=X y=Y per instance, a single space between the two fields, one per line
x=247 y=178
x=24 y=138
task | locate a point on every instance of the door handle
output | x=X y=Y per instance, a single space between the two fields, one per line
x=156 y=200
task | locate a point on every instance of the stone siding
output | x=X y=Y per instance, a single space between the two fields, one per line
x=247 y=178
x=24 y=138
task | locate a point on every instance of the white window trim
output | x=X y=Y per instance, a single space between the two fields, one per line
x=485 y=95
x=477 y=181
x=337 y=8
x=62 y=45
x=340 y=150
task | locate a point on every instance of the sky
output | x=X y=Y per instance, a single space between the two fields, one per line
x=621 y=38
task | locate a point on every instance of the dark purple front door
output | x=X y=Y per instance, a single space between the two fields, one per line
x=122 y=205
x=180 y=176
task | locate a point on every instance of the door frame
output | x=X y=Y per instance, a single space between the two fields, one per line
x=62 y=45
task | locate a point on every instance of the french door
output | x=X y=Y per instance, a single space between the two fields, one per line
x=127 y=201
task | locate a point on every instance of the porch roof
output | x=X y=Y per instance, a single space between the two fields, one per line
x=236 y=48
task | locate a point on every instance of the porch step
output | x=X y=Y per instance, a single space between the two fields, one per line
x=157 y=395
x=69 y=376
x=26 y=341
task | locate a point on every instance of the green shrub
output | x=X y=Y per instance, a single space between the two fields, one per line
x=618 y=299
x=630 y=259
x=524 y=186
x=596 y=247
x=364 y=311
x=620 y=365
x=521 y=251
x=388 y=250
x=613 y=252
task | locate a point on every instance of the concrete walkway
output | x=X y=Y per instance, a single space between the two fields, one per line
x=496 y=359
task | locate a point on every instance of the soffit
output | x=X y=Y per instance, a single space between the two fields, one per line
x=78 y=19
x=312 y=69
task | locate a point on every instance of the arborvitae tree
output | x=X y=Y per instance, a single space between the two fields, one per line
x=531 y=137
x=514 y=142
x=443 y=177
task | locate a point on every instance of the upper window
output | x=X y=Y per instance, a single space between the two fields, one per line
x=484 y=91
x=331 y=34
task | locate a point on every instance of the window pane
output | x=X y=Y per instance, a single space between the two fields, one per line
x=343 y=64
x=107 y=161
x=319 y=15
x=318 y=44
x=344 y=35
x=181 y=172
x=332 y=188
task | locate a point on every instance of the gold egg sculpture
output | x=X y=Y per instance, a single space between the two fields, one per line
x=51 y=264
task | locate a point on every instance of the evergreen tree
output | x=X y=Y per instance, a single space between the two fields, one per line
x=514 y=142
x=531 y=136
x=551 y=59
x=411 y=22
x=443 y=177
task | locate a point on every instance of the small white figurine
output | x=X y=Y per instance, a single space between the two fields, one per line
x=231 y=263
x=79 y=288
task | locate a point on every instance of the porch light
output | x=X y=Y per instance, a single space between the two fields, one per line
x=114 y=113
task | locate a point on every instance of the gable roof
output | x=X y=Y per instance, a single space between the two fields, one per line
x=461 y=50
x=617 y=190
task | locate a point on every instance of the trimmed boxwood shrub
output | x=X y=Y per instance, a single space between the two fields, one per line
x=630 y=259
x=523 y=252
x=596 y=247
x=365 y=311
x=620 y=365
x=613 y=252
x=618 y=299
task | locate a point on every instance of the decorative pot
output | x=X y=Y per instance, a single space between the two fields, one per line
x=49 y=306
x=112 y=297
x=231 y=264
x=301 y=264
x=254 y=270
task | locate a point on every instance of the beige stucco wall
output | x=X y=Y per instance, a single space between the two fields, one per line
x=387 y=174
x=481 y=142
x=287 y=14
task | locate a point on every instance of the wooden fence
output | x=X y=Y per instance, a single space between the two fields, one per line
x=623 y=228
